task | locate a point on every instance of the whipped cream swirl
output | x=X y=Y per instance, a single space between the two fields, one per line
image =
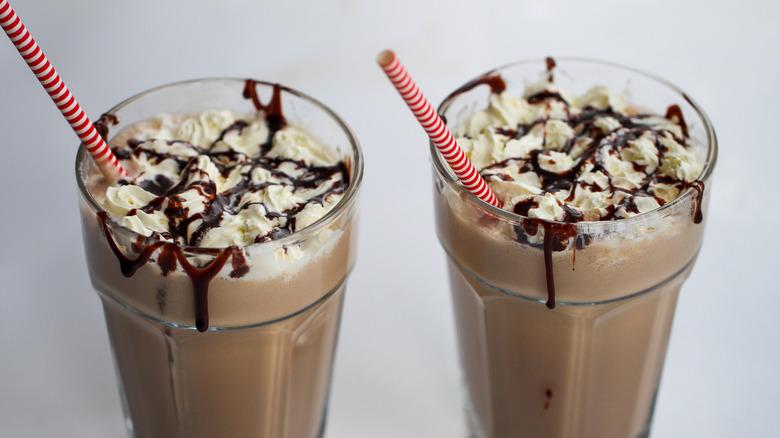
x=553 y=156
x=217 y=180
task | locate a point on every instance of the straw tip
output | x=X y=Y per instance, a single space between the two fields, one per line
x=385 y=58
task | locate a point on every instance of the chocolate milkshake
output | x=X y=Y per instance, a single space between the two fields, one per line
x=564 y=299
x=222 y=260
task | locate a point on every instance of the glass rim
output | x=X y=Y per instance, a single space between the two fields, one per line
x=443 y=170
x=349 y=198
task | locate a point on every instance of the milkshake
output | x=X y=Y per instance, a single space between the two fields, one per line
x=222 y=260
x=564 y=298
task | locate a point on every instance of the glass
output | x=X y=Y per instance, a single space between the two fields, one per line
x=263 y=366
x=589 y=367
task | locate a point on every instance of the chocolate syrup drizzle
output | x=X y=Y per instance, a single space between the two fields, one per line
x=547 y=399
x=558 y=234
x=169 y=254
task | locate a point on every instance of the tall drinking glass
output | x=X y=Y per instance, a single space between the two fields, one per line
x=590 y=366
x=262 y=366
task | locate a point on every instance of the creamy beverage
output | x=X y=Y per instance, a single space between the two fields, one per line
x=222 y=260
x=564 y=299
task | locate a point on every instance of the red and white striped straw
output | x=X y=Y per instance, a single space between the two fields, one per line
x=440 y=136
x=58 y=92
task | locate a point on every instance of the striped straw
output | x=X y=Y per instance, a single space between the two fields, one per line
x=440 y=136
x=59 y=93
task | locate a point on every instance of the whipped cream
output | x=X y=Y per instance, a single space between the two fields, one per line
x=554 y=156
x=217 y=179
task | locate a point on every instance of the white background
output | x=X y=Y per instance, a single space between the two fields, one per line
x=396 y=372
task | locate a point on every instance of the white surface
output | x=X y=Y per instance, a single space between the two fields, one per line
x=396 y=373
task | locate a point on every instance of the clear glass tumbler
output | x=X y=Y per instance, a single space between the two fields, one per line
x=263 y=366
x=589 y=367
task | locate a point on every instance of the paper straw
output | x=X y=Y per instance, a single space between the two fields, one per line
x=59 y=93
x=440 y=136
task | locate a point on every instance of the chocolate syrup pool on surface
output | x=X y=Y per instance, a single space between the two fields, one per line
x=557 y=234
x=169 y=254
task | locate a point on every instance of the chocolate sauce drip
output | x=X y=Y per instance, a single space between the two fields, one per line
x=547 y=398
x=550 y=67
x=127 y=265
x=556 y=235
x=103 y=123
x=556 y=238
x=168 y=256
x=698 y=185
x=494 y=81
x=273 y=110
x=675 y=113
x=544 y=95
x=549 y=240
x=200 y=279
x=239 y=265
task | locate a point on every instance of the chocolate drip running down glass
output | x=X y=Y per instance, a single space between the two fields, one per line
x=564 y=299
x=222 y=261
